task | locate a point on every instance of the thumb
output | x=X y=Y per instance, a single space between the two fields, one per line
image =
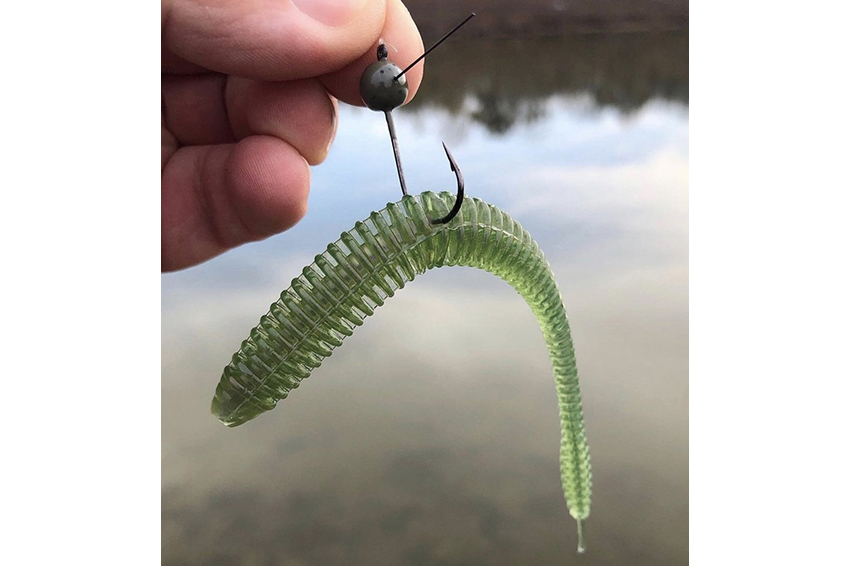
x=271 y=39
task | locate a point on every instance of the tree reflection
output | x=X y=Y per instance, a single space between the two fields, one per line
x=503 y=83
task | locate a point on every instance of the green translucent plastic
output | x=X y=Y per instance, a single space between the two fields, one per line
x=367 y=265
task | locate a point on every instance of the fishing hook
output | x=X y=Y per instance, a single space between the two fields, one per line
x=383 y=87
x=452 y=163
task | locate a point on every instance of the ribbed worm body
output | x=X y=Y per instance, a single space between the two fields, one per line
x=367 y=265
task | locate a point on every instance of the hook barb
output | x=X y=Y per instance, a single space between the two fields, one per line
x=456 y=208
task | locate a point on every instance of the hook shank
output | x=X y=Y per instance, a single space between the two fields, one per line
x=396 y=154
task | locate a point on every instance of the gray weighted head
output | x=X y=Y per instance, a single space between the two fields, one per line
x=379 y=90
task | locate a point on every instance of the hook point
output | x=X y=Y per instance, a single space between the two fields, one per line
x=452 y=162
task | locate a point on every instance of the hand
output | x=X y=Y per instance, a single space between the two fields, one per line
x=249 y=91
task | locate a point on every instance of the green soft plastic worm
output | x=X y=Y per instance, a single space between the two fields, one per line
x=367 y=265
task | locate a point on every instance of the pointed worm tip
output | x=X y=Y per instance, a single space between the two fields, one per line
x=581 y=546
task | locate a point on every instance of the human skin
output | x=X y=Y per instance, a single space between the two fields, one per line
x=249 y=102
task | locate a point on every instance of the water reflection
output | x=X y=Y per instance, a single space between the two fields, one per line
x=503 y=83
x=384 y=456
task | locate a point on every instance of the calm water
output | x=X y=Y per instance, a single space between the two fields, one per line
x=431 y=436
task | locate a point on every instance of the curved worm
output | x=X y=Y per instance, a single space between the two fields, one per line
x=367 y=265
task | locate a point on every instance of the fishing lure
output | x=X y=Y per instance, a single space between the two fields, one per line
x=371 y=262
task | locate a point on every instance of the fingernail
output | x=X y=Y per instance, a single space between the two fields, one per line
x=329 y=12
